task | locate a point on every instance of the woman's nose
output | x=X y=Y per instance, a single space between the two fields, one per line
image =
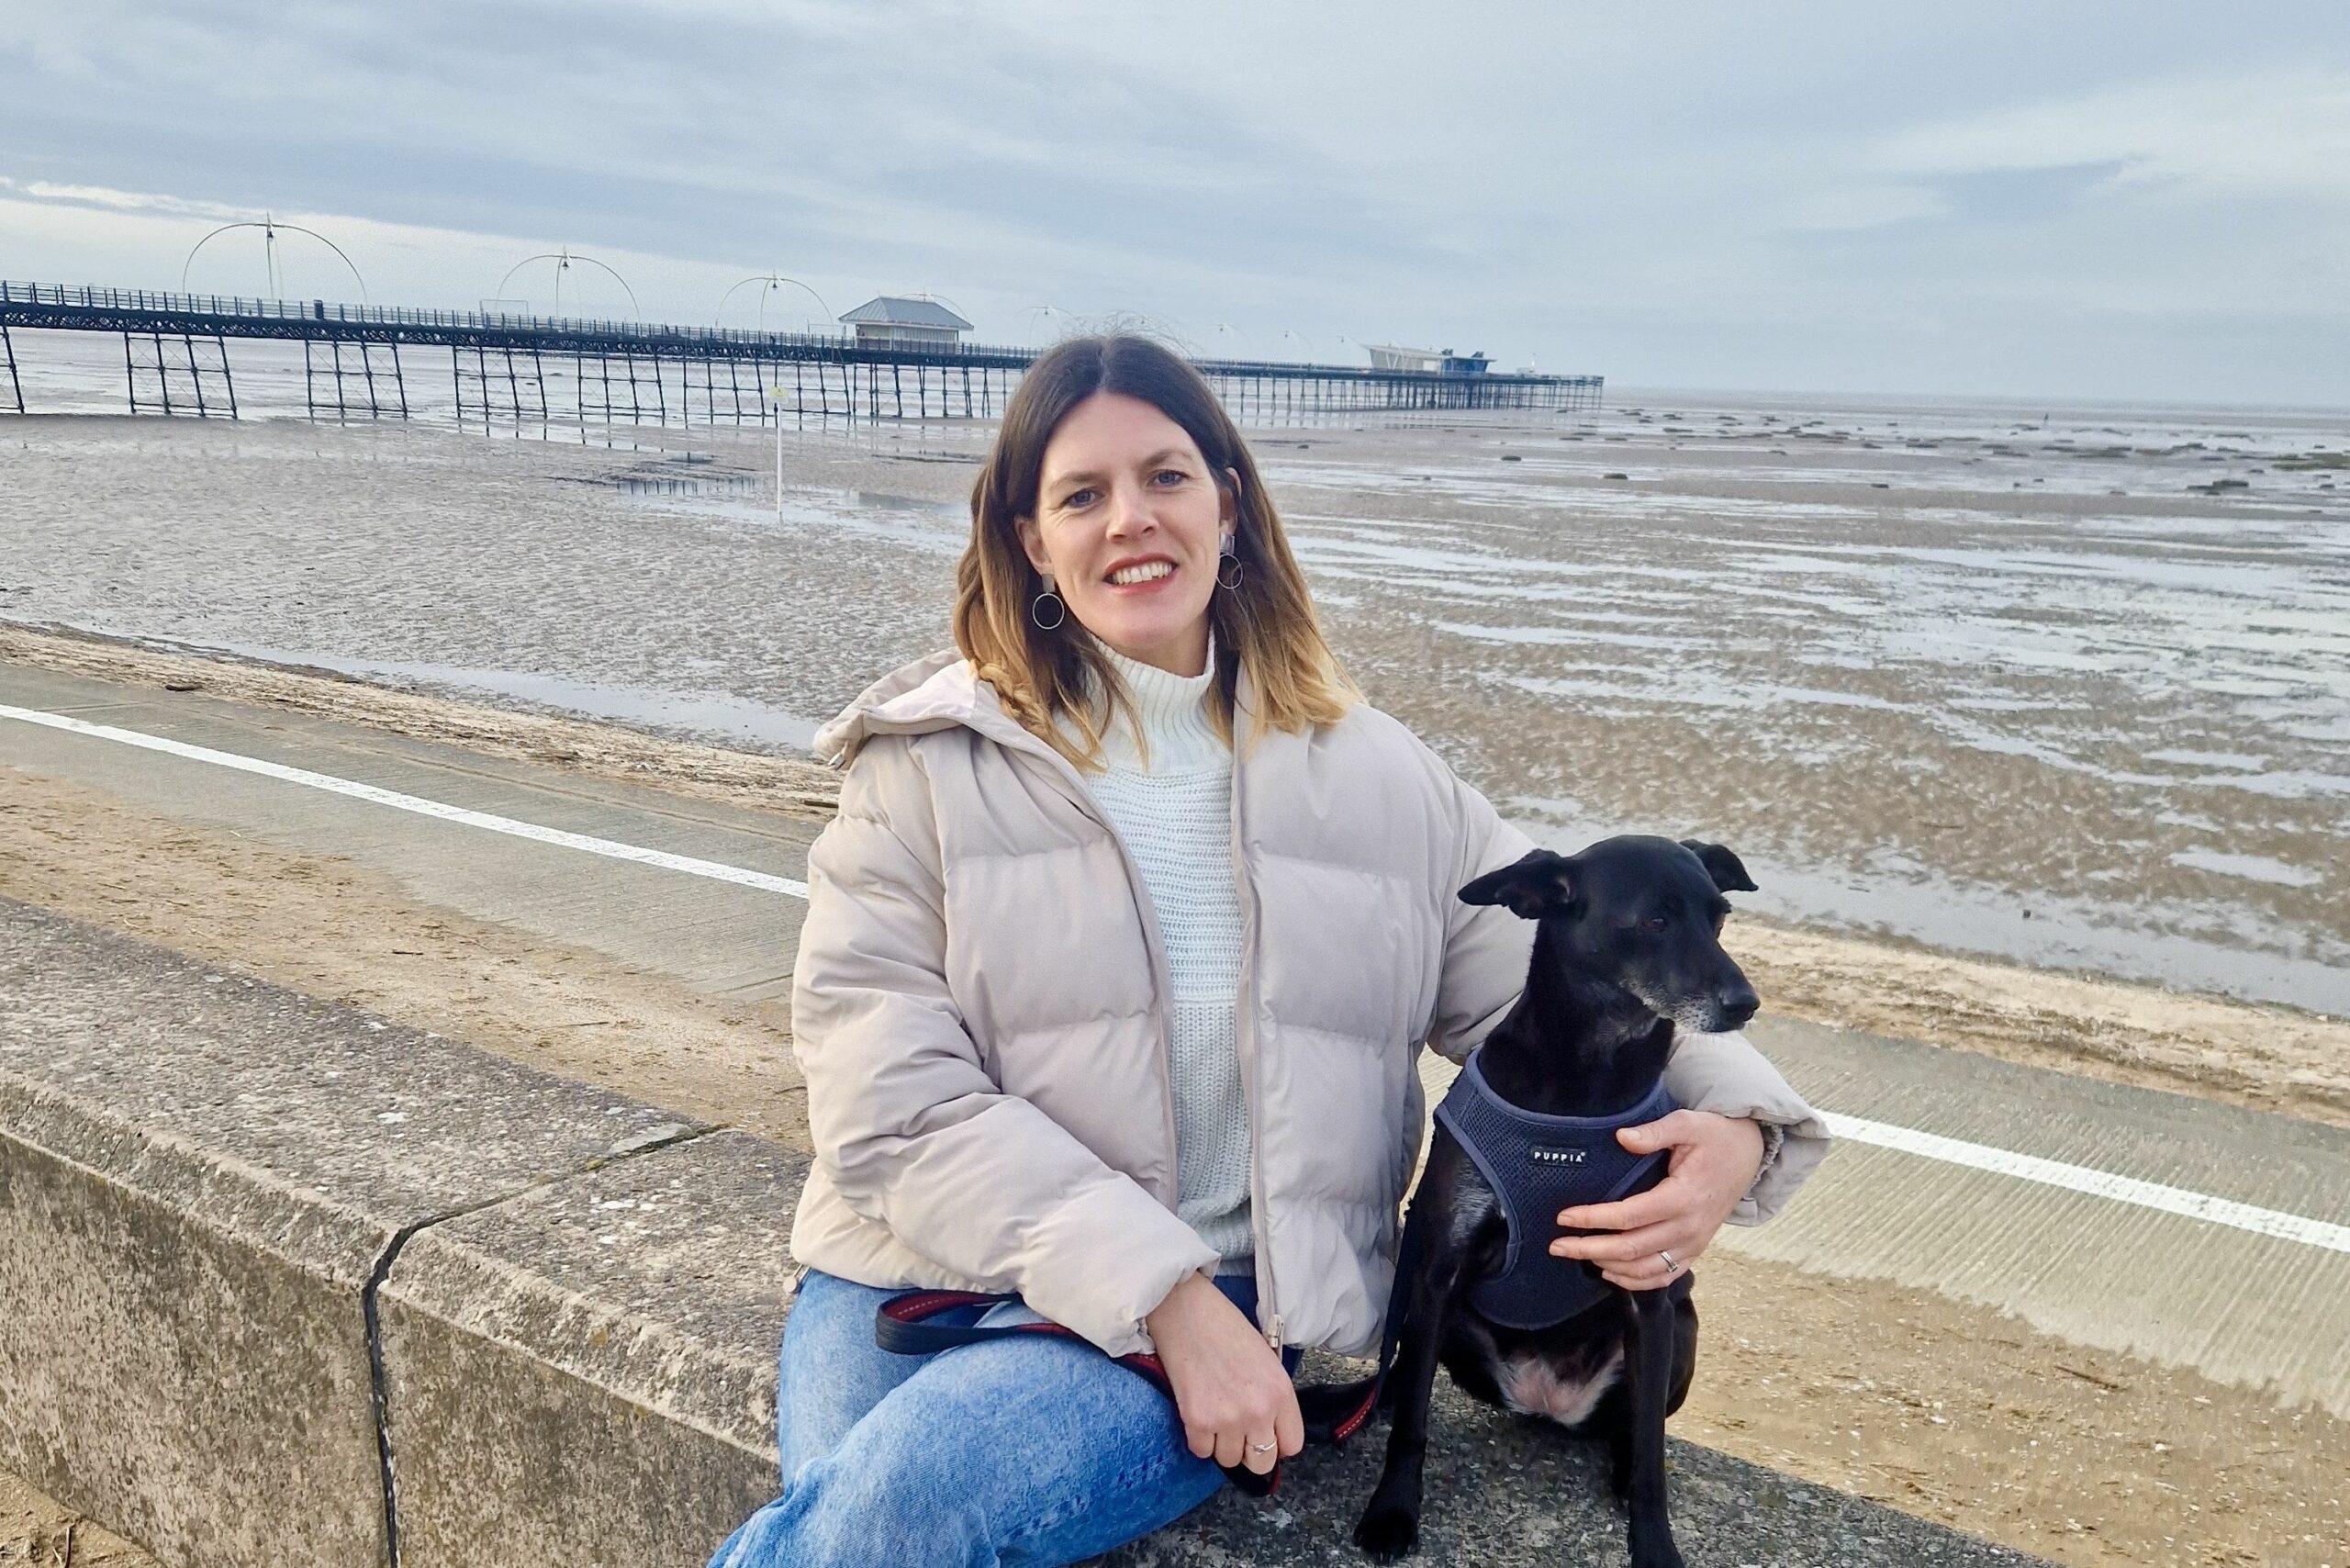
x=1129 y=508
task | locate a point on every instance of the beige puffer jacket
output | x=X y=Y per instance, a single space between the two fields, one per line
x=976 y=1008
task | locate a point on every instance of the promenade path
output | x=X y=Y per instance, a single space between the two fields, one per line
x=2159 y=1226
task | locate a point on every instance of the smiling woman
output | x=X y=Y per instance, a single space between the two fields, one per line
x=1118 y=962
x=1115 y=460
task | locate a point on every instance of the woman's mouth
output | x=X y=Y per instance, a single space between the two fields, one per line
x=1141 y=574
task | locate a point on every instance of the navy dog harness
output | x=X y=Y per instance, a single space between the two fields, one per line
x=1537 y=1165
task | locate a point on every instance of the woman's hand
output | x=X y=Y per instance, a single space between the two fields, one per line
x=1715 y=1159
x=1230 y=1389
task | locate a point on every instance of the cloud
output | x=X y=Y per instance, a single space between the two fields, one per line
x=1866 y=207
x=2278 y=132
x=1715 y=192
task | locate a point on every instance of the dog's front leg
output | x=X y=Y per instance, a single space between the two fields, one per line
x=1390 y=1526
x=1653 y=1333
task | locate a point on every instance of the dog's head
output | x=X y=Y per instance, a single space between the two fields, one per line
x=1644 y=914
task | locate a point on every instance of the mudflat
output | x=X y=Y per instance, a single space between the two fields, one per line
x=2028 y=769
x=1953 y=1411
x=2268 y=1057
x=2069 y=689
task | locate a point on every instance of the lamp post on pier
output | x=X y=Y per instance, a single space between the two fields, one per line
x=775 y=402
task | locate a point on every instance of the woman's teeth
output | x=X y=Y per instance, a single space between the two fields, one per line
x=1145 y=573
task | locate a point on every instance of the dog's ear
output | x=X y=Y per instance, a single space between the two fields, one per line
x=1538 y=885
x=1729 y=876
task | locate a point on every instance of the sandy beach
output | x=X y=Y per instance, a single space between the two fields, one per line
x=1954 y=1411
x=2268 y=1057
x=2037 y=695
x=2028 y=778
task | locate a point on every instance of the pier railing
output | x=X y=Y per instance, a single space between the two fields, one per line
x=73 y=296
x=176 y=359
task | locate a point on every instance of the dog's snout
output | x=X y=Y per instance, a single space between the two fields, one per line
x=1738 y=1005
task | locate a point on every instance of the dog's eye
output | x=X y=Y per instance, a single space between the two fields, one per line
x=1653 y=923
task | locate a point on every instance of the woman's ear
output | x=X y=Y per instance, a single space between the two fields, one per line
x=1032 y=542
x=1229 y=506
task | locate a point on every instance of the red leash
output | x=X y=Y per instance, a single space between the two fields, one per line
x=903 y=1325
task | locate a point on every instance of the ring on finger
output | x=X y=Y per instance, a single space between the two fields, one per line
x=1262 y=1447
x=1670 y=1266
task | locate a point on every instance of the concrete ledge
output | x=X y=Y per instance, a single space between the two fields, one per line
x=587 y=1374
x=200 y=1175
x=233 y=1220
x=1503 y=1492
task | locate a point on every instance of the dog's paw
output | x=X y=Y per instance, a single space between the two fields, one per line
x=1388 y=1532
x=1657 y=1554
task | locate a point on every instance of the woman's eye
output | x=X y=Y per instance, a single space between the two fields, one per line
x=1168 y=476
x=1078 y=499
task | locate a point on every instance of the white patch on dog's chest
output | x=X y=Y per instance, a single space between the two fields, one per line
x=1532 y=1386
x=1474 y=1206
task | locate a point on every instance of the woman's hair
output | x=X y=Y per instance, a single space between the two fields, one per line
x=1266 y=624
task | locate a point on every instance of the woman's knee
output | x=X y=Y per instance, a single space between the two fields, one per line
x=830 y=1373
x=887 y=1511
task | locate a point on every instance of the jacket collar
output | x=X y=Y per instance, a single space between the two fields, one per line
x=939 y=691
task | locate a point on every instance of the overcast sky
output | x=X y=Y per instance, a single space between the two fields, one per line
x=2143 y=200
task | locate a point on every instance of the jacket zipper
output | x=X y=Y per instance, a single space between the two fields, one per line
x=1066 y=775
x=1244 y=1027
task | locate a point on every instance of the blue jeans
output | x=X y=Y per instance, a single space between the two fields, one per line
x=1030 y=1451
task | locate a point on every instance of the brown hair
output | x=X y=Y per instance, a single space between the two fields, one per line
x=1268 y=623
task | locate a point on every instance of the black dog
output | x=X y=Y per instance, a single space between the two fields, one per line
x=1625 y=947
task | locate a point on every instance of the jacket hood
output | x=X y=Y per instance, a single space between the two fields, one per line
x=935 y=692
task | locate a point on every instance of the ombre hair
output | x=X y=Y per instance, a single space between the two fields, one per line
x=1266 y=624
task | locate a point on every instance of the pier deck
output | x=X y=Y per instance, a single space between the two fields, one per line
x=360 y=360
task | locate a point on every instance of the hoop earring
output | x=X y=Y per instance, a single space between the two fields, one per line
x=1036 y=610
x=1230 y=558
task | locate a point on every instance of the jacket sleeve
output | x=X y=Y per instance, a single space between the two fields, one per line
x=1486 y=951
x=908 y=1125
x=1725 y=1074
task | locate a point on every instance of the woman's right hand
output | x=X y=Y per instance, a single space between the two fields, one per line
x=1231 y=1391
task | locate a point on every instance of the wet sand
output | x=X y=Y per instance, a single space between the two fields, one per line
x=1920 y=667
x=1974 y=721
x=1953 y=1411
x=2268 y=1057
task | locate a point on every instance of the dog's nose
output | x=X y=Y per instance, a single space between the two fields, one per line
x=1737 y=1004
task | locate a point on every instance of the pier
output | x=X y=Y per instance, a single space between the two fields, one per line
x=364 y=362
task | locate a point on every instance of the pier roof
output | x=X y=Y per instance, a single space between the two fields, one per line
x=888 y=310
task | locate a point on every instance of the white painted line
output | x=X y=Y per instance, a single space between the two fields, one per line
x=1929 y=1145
x=417 y=803
x=2095 y=1183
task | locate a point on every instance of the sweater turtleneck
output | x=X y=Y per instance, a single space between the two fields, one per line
x=1173 y=713
x=1168 y=791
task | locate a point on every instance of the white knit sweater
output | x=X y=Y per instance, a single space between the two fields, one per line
x=1175 y=817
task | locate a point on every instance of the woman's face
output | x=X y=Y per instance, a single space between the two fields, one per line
x=1128 y=525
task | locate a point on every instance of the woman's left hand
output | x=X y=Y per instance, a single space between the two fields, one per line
x=1715 y=1159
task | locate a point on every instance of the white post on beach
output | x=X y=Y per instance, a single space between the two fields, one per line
x=775 y=400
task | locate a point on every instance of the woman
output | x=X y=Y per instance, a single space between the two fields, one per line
x=1117 y=959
